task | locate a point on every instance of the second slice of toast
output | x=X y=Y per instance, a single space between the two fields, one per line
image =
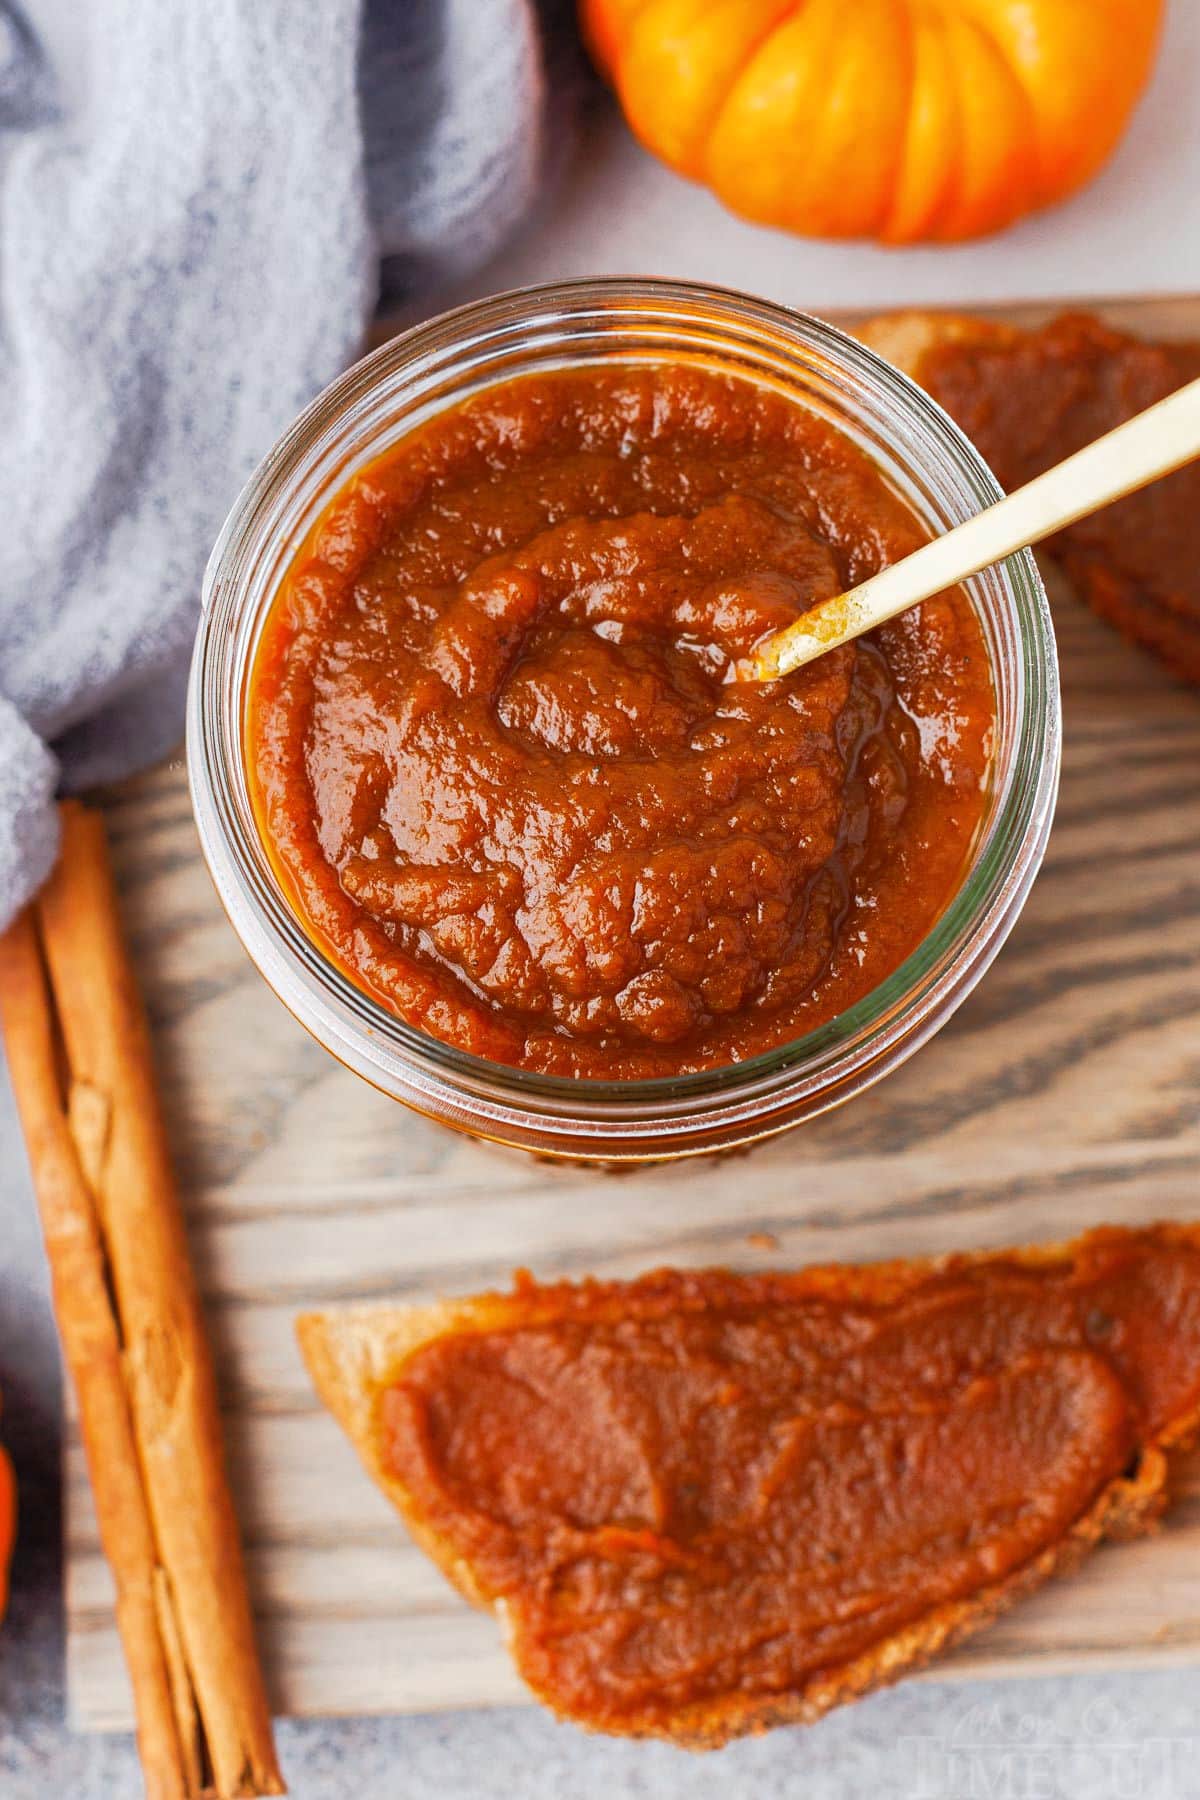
x=703 y=1504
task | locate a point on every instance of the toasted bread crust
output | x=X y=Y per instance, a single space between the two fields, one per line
x=905 y=338
x=353 y=1354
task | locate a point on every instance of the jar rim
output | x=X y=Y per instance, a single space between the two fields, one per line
x=313 y=454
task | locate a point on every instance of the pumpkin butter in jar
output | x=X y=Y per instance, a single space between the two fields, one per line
x=502 y=775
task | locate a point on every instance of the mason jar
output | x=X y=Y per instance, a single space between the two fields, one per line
x=923 y=457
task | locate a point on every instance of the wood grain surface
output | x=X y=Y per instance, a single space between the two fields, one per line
x=1062 y=1094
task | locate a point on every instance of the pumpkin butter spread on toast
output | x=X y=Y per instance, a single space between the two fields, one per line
x=706 y=1503
x=1027 y=399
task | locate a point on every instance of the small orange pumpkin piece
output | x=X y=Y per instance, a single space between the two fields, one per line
x=902 y=120
x=8 y=1523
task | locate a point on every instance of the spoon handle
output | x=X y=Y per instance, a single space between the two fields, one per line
x=1151 y=444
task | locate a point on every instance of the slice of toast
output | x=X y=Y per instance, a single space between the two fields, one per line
x=907 y=339
x=598 y=1594
x=1029 y=398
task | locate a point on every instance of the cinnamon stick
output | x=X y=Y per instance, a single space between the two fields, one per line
x=80 y=1058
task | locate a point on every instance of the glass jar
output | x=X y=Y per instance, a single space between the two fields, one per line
x=922 y=455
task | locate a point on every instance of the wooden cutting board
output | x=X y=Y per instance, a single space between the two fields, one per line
x=1062 y=1094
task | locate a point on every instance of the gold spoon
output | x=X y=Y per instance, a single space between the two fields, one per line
x=1151 y=444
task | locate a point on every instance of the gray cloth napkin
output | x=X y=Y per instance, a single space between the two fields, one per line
x=194 y=204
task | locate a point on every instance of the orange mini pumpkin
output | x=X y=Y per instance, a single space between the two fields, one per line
x=8 y=1523
x=902 y=120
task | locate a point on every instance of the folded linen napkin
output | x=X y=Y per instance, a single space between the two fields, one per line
x=194 y=202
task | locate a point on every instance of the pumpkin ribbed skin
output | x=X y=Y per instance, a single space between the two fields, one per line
x=902 y=120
